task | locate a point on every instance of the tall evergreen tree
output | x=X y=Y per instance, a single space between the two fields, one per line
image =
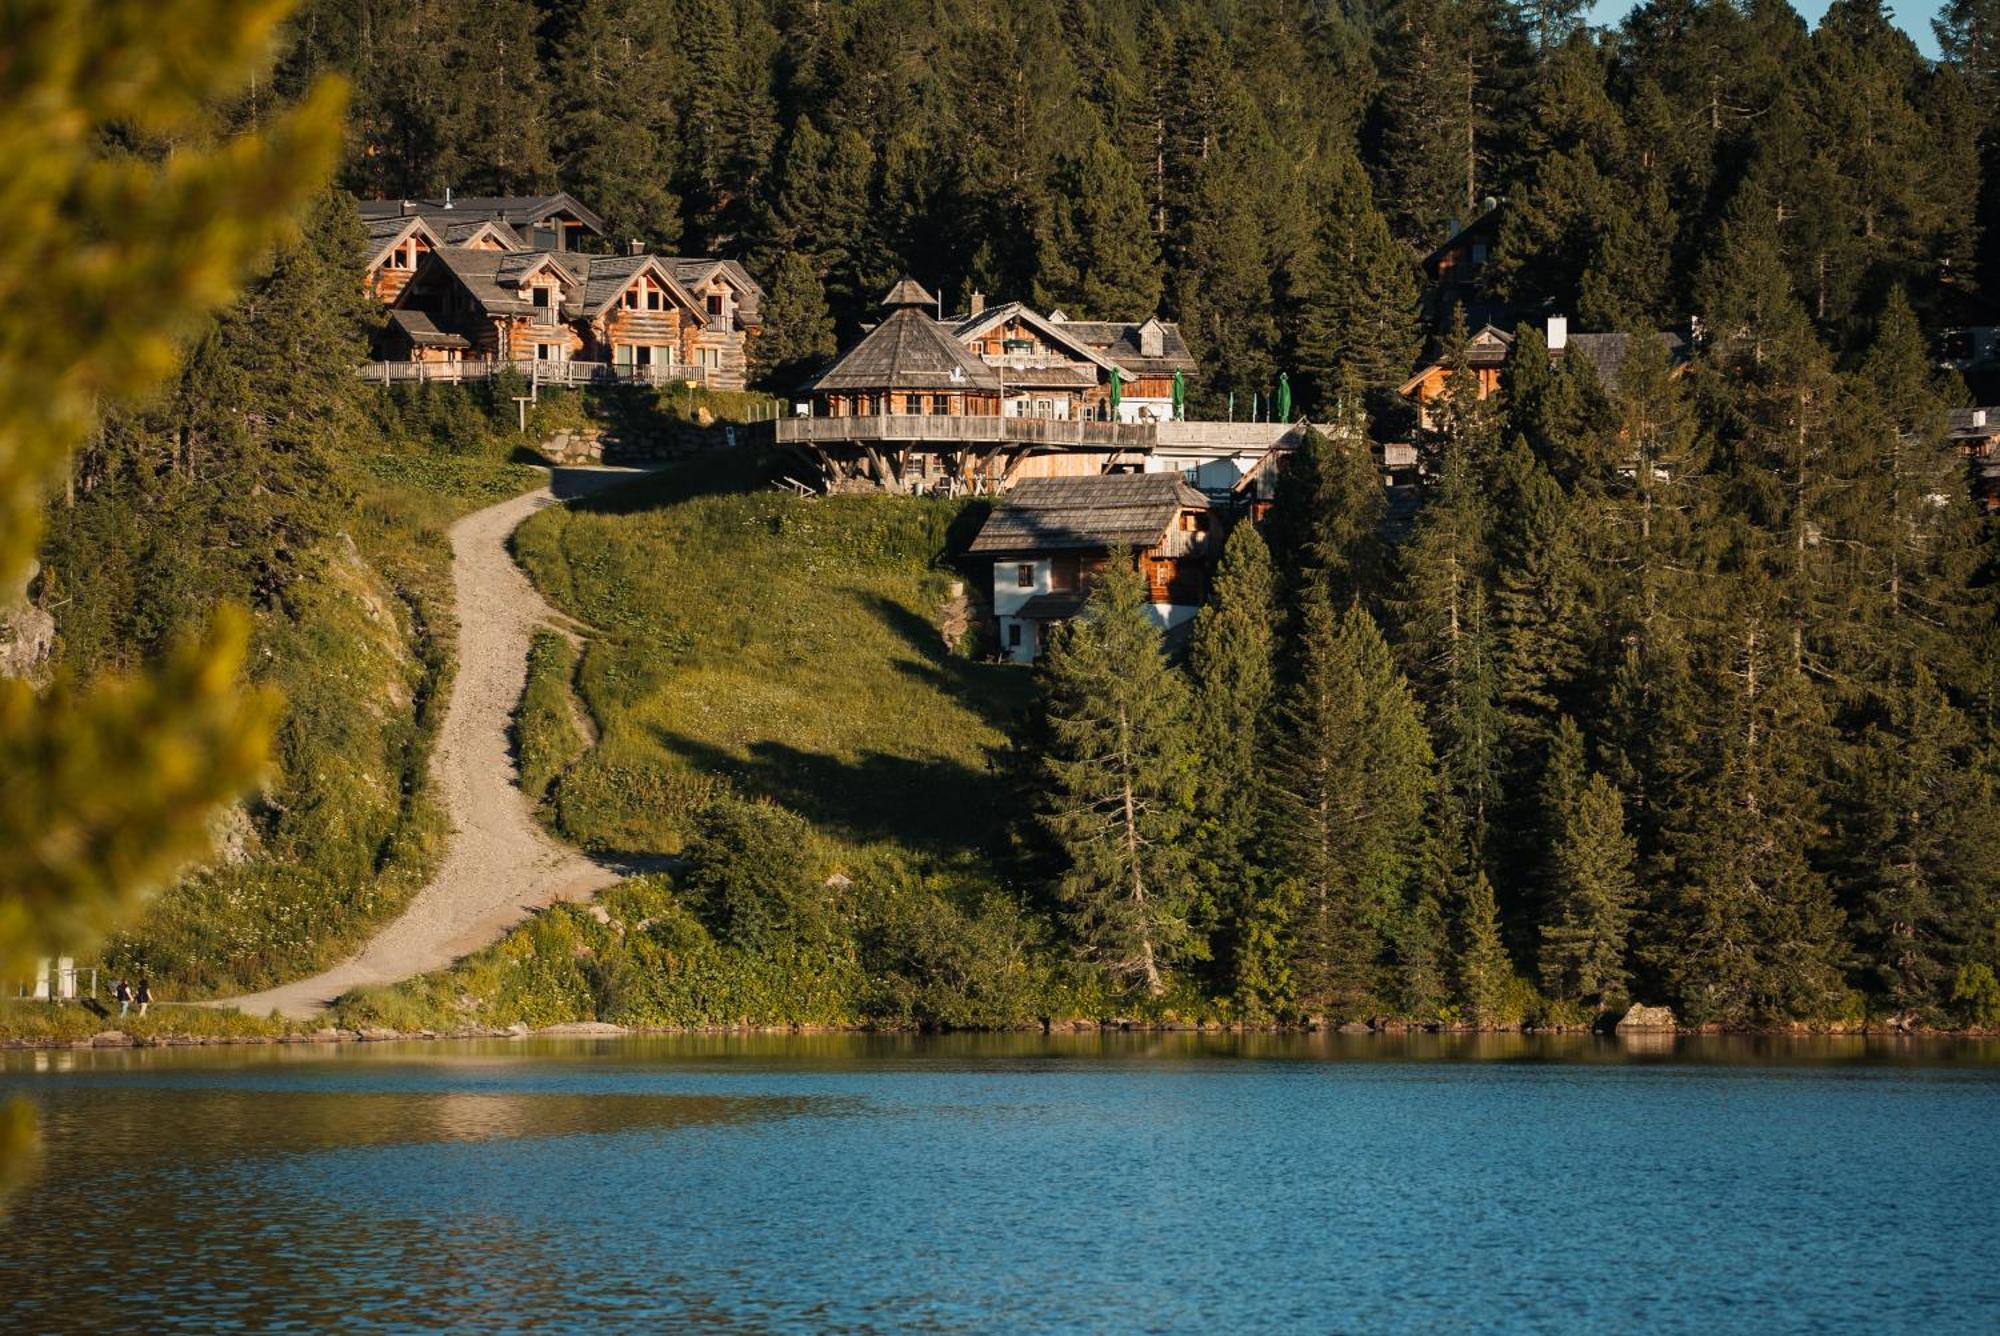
x=1585 y=937
x=1119 y=774
x=1095 y=257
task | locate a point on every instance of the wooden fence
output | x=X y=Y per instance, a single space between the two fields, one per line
x=568 y=373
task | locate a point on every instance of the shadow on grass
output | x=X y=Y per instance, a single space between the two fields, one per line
x=938 y=805
x=996 y=692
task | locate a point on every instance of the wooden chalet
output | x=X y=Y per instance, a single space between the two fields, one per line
x=540 y=222
x=1487 y=351
x=1056 y=368
x=732 y=303
x=908 y=364
x=1050 y=539
x=1455 y=273
x=548 y=306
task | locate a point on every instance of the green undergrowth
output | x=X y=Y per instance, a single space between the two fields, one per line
x=546 y=737
x=66 y=1022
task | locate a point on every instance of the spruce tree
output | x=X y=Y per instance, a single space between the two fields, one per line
x=1350 y=768
x=1119 y=772
x=1095 y=257
x=1353 y=297
x=1327 y=516
x=1485 y=977
x=1587 y=932
x=798 y=326
x=1230 y=662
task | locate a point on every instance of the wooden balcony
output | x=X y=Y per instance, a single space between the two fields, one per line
x=568 y=373
x=1074 y=433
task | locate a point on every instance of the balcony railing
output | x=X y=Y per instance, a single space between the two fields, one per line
x=566 y=373
x=893 y=428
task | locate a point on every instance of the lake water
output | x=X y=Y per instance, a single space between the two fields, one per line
x=1120 y=1183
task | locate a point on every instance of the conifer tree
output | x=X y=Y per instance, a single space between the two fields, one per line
x=613 y=70
x=1587 y=932
x=1485 y=977
x=1350 y=768
x=1327 y=516
x=1095 y=257
x=1230 y=661
x=798 y=326
x=1353 y=296
x=1119 y=771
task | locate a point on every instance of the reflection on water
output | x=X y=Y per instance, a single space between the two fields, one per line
x=1109 y=1182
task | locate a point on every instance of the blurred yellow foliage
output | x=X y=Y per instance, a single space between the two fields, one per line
x=109 y=259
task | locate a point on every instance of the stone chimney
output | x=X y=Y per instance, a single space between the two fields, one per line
x=976 y=303
x=1558 y=333
x=634 y=246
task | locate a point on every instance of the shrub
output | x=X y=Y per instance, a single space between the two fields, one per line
x=750 y=876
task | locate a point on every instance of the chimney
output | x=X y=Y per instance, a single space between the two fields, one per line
x=1558 y=333
x=1152 y=339
x=976 y=303
x=1979 y=417
x=634 y=246
x=447 y=197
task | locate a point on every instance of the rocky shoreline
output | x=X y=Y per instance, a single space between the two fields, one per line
x=119 y=1039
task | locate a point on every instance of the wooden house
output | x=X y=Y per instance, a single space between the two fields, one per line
x=732 y=305
x=1051 y=537
x=1055 y=368
x=908 y=364
x=1487 y=351
x=541 y=222
x=394 y=249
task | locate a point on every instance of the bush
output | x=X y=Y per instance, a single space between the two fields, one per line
x=1976 y=993
x=750 y=876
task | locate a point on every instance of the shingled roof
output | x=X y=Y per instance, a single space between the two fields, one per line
x=1106 y=512
x=907 y=292
x=908 y=351
x=1118 y=341
x=385 y=233
x=422 y=331
x=518 y=210
x=1606 y=352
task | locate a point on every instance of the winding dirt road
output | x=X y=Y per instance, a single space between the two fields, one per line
x=500 y=866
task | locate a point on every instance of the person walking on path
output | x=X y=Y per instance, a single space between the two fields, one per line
x=123 y=992
x=145 y=998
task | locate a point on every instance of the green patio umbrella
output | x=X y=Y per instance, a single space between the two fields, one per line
x=1117 y=394
x=1284 y=413
x=1180 y=397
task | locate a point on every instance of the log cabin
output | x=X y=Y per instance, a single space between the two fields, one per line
x=541 y=222
x=1061 y=369
x=1050 y=539
x=908 y=364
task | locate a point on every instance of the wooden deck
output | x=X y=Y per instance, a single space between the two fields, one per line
x=568 y=373
x=906 y=429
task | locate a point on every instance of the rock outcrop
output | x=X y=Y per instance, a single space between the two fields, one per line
x=1642 y=1018
x=27 y=633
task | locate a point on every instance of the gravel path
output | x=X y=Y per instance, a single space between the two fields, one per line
x=500 y=866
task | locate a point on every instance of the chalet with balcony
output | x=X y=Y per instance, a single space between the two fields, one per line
x=908 y=364
x=1052 y=537
x=732 y=304
x=1060 y=369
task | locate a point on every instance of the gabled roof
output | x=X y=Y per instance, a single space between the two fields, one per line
x=1058 y=333
x=479 y=273
x=1606 y=352
x=908 y=351
x=385 y=234
x=1486 y=346
x=1105 y=512
x=469 y=232
x=1119 y=341
x=693 y=270
x=1486 y=225
x=519 y=210
x=607 y=276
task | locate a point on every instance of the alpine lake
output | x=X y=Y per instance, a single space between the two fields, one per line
x=1102 y=1182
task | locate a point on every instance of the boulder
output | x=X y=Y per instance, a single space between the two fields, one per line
x=111 y=1039
x=1356 y=1027
x=1643 y=1018
x=379 y=1034
x=325 y=1035
x=27 y=633
x=582 y=1030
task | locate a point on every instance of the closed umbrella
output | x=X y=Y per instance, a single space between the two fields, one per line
x=1180 y=397
x=1284 y=413
x=1117 y=395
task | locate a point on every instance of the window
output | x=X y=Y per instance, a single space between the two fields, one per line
x=1024 y=575
x=715 y=303
x=941 y=405
x=643 y=355
x=545 y=352
x=631 y=299
x=1013 y=635
x=712 y=357
x=541 y=297
x=400 y=258
x=652 y=299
